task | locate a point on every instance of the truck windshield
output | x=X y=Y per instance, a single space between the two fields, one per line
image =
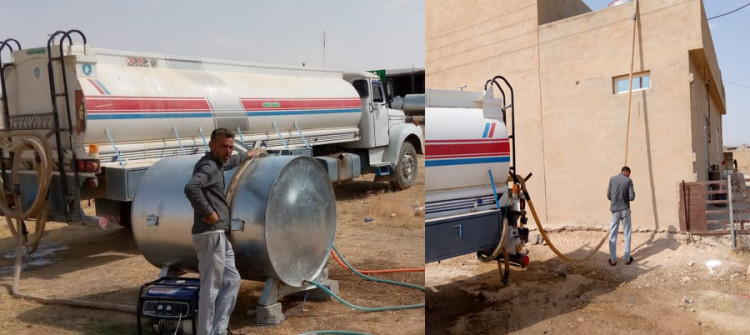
x=361 y=87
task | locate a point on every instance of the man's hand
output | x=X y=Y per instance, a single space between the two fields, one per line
x=256 y=153
x=211 y=219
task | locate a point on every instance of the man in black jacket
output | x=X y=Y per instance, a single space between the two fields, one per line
x=220 y=281
x=620 y=193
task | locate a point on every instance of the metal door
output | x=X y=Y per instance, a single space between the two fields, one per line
x=379 y=114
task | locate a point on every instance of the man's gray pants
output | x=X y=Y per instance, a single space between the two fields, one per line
x=614 y=225
x=220 y=282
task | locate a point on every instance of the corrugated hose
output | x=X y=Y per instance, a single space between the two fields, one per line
x=30 y=140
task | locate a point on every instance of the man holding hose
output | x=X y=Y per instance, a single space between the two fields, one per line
x=220 y=280
x=620 y=193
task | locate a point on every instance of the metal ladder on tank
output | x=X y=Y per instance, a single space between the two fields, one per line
x=3 y=87
x=70 y=199
x=505 y=108
x=4 y=99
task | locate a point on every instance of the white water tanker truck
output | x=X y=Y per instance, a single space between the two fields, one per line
x=110 y=115
x=126 y=128
x=469 y=207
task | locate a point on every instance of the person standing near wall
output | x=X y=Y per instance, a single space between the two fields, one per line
x=620 y=193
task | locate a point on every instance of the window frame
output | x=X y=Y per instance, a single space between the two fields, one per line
x=379 y=98
x=637 y=79
x=363 y=88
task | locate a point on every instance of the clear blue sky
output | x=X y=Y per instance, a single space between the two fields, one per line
x=731 y=36
x=361 y=35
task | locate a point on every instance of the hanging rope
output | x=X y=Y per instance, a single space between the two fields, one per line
x=630 y=90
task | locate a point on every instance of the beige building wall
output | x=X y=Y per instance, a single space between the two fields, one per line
x=469 y=42
x=571 y=126
x=742 y=155
x=553 y=10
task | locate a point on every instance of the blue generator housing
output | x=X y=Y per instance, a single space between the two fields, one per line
x=169 y=306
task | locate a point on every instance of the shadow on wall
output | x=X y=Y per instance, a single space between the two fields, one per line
x=643 y=107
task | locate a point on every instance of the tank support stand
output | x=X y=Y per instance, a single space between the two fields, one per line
x=269 y=311
x=168 y=271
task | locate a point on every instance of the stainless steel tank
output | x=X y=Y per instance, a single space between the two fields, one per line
x=283 y=217
x=411 y=104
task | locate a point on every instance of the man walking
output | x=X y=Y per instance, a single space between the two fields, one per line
x=220 y=281
x=620 y=193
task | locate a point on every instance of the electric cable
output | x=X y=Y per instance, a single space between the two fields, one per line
x=727 y=13
x=379 y=280
x=736 y=84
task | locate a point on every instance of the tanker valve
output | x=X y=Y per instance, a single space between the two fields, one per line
x=523 y=233
x=88 y=165
x=524 y=220
x=519 y=260
x=94 y=151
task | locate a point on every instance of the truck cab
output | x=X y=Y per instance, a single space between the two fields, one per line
x=392 y=144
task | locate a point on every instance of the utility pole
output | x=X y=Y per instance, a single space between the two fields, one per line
x=324 y=48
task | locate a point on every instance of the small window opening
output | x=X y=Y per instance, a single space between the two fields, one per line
x=641 y=81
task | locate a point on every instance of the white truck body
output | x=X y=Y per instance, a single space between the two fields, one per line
x=467 y=165
x=129 y=109
x=462 y=147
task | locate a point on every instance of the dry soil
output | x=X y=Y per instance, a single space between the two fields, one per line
x=105 y=265
x=672 y=288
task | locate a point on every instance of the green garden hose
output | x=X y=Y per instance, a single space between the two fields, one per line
x=378 y=280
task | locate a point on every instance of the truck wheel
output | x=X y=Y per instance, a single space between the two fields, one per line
x=406 y=169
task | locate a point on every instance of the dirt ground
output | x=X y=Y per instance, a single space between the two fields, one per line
x=105 y=265
x=672 y=288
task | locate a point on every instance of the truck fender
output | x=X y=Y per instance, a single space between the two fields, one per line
x=399 y=134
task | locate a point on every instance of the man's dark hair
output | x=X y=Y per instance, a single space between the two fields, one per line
x=625 y=168
x=221 y=132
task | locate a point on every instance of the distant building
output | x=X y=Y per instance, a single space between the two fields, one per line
x=741 y=155
x=406 y=81
x=569 y=67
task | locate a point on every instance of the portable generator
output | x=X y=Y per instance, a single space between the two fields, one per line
x=169 y=306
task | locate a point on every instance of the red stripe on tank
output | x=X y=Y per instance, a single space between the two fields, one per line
x=447 y=149
x=145 y=104
x=297 y=104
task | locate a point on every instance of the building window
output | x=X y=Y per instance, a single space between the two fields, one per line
x=641 y=81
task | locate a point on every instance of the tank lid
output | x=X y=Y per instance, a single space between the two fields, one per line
x=618 y=2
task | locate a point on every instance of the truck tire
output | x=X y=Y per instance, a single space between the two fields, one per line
x=406 y=168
